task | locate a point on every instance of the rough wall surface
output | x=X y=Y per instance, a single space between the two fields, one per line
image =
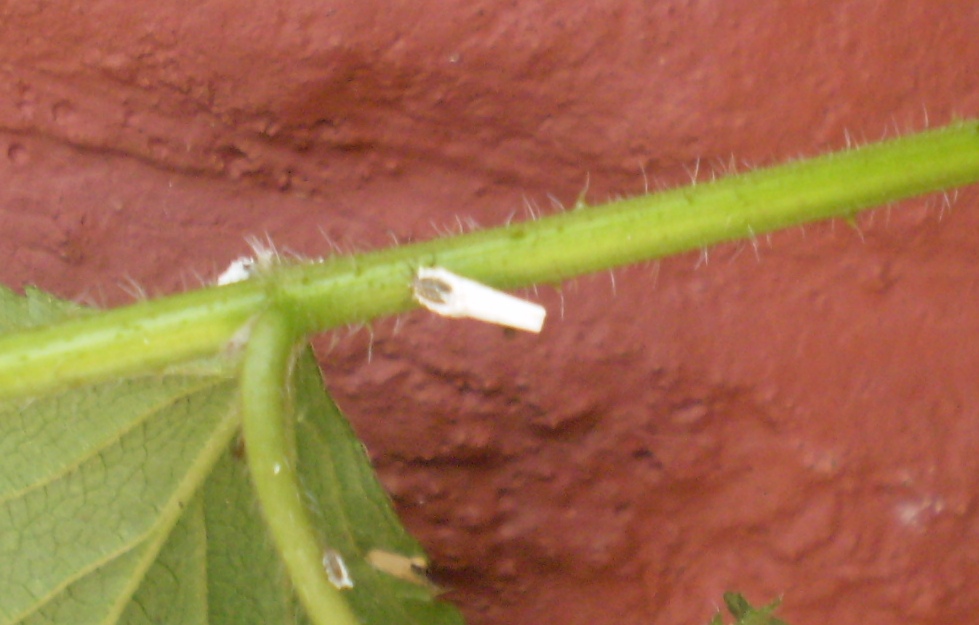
x=795 y=418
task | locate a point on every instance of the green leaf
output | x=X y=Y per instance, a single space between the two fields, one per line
x=355 y=514
x=92 y=481
x=129 y=502
x=737 y=604
x=34 y=308
x=247 y=584
x=746 y=614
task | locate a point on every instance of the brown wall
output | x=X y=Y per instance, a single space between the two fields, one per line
x=799 y=419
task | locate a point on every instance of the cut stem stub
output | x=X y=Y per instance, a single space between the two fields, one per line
x=446 y=294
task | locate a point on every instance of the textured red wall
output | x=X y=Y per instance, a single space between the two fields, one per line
x=800 y=419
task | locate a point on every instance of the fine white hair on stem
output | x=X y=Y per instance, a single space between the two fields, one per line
x=856 y=226
x=897 y=128
x=199 y=277
x=334 y=341
x=350 y=331
x=265 y=253
x=438 y=231
x=193 y=279
x=611 y=277
x=466 y=224
x=132 y=288
x=754 y=242
x=656 y=269
x=533 y=212
x=943 y=202
x=948 y=199
x=582 y=200
x=738 y=250
x=695 y=174
x=370 y=343
x=398 y=322
x=703 y=259
x=96 y=299
x=329 y=241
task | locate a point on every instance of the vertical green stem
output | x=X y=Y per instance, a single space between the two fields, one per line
x=265 y=407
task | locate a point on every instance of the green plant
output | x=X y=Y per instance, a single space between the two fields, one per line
x=124 y=495
x=746 y=614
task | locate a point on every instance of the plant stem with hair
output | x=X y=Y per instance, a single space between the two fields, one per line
x=341 y=290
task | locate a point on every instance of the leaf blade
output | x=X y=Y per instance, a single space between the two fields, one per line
x=64 y=527
x=126 y=502
x=354 y=512
x=246 y=583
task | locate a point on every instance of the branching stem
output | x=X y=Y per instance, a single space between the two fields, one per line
x=350 y=289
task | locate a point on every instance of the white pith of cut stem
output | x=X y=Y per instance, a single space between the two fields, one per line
x=449 y=295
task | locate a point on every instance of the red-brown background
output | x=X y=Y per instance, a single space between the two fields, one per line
x=801 y=421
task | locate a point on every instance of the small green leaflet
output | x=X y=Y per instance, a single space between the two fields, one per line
x=746 y=614
x=128 y=502
x=354 y=511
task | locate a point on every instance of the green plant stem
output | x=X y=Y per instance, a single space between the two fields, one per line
x=266 y=419
x=350 y=289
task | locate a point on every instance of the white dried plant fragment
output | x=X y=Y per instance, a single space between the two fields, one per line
x=412 y=569
x=336 y=569
x=449 y=295
x=240 y=269
x=245 y=267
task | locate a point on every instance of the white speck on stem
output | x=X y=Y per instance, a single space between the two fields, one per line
x=239 y=269
x=245 y=267
x=446 y=294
